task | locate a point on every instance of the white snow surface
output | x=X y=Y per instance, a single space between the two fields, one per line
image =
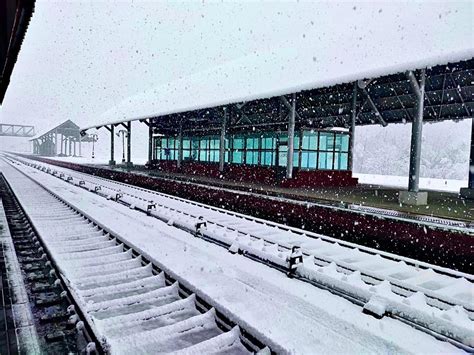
x=448 y=185
x=395 y=273
x=298 y=46
x=298 y=316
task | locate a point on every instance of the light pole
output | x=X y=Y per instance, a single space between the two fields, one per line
x=124 y=134
x=94 y=138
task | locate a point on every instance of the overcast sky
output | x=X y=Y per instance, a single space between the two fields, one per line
x=80 y=59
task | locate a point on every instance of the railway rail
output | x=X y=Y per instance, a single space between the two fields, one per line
x=52 y=306
x=439 y=222
x=129 y=303
x=450 y=247
x=434 y=299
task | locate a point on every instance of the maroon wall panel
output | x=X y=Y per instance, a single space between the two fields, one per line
x=262 y=174
x=320 y=178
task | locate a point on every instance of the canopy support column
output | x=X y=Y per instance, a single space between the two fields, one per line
x=291 y=138
x=55 y=142
x=413 y=196
x=180 y=145
x=150 y=142
x=112 y=144
x=129 y=144
x=80 y=145
x=468 y=192
x=222 y=142
x=352 y=128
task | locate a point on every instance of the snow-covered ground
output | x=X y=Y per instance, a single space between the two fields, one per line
x=298 y=316
x=448 y=185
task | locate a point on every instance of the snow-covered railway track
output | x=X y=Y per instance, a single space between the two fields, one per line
x=45 y=317
x=435 y=299
x=130 y=303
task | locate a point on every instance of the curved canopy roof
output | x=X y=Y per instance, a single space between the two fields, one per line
x=301 y=46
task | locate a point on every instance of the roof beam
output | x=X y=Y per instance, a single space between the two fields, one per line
x=289 y=106
x=363 y=85
x=414 y=83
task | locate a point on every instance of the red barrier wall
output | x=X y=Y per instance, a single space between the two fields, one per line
x=262 y=174
x=320 y=178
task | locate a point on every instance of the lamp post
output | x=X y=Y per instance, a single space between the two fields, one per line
x=94 y=138
x=124 y=134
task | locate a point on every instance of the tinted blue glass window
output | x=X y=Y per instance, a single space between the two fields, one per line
x=345 y=143
x=238 y=143
x=296 y=142
x=237 y=157
x=251 y=157
x=296 y=159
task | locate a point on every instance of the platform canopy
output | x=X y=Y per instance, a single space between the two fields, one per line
x=338 y=45
x=14 y=19
x=67 y=129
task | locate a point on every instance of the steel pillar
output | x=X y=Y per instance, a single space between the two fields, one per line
x=468 y=192
x=112 y=142
x=416 y=131
x=129 y=144
x=51 y=144
x=471 y=158
x=150 y=142
x=80 y=145
x=55 y=135
x=222 y=142
x=180 y=146
x=413 y=196
x=352 y=128
x=291 y=138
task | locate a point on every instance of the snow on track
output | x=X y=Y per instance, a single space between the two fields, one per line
x=131 y=306
x=404 y=273
x=306 y=329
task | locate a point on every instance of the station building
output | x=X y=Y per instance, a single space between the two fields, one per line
x=288 y=158
x=305 y=138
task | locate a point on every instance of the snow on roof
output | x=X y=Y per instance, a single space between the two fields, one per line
x=316 y=45
x=61 y=128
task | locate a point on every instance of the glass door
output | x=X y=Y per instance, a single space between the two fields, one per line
x=281 y=159
x=282 y=153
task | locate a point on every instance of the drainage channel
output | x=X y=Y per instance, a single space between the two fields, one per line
x=51 y=304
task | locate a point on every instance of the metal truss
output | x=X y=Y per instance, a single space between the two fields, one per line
x=14 y=130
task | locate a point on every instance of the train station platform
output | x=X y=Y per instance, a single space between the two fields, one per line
x=441 y=204
x=445 y=208
x=359 y=220
x=374 y=198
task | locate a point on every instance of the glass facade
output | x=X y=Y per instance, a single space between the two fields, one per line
x=313 y=150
